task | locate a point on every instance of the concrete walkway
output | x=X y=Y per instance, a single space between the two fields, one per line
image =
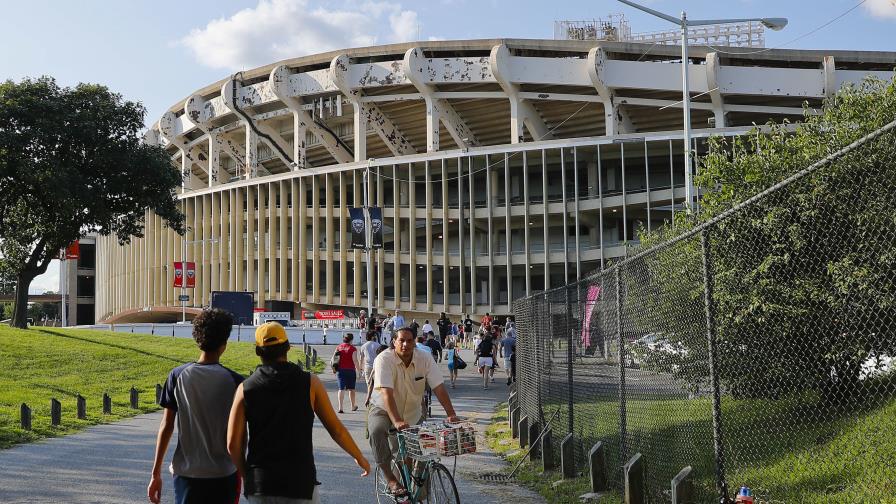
x=109 y=464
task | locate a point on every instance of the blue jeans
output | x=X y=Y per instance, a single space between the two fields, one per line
x=224 y=490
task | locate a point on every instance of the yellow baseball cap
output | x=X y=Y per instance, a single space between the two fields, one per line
x=270 y=334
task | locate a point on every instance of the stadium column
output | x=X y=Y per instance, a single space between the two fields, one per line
x=295 y=240
x=205 y=245
x=412 y=237
x=396 y=235
x=507 y=234
x=251 y=153
x=600 y=201
x=283 y=239
x=343 y=246
x=237 y=223
x=214 y=243
x=381 y=253
x=564 y=217
x=301 y=252
x=527 y=272
x=491 y=183
x=272 y=245
x=544 y=206
x=428 y=210
x=460 y=232
x=358 y=199
x=226 y=249
x=471 y=209
x=261 y=226
x=251 y=240
x=162 y=277
x=315 y=238
x=330 y=240
x=575 y=175
x=445 y=258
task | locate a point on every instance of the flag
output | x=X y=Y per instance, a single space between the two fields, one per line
x=358 y=228
x=182 y=271
x=376 y=226
x=178 y=274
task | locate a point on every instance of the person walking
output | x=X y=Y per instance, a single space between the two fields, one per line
x=347 y=372
x=444 y=325
x=485 y=357
x=269 y=429
x=486 y=321
x=415 y=327
x=468 y=330
x=397 y=322
x=197 y=396
x=421 y=344
x=427 y=328
x=368 y=355
x=506 y=351
x=451 y=352
x=434 y=346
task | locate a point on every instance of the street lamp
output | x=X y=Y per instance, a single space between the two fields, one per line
x=683 y=22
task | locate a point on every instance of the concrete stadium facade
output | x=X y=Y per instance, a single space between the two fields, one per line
x=503 y=167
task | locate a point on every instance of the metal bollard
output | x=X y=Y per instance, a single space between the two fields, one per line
x=135 y=398
x=567 y=457
x=158 y=394
x=107 y=404
x=634 y=481
x=597 y=468
x=683 y=487
x=25 y=417
x=55 y=412
x=524 y=431
x=547 y=451
x=82 y=408
x=515 y=423
x=534 y=430
x=313 y=356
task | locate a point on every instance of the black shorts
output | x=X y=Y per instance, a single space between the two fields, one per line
x=347 y=379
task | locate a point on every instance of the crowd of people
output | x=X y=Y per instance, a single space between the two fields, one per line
x=255 y=434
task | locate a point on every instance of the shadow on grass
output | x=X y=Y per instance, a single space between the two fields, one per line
x=110 y=345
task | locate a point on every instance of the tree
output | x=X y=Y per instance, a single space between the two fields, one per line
x=72 y=162
x=805 y=288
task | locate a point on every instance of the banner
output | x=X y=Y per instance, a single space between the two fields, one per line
x=358 y=229
x=323 y=315
x=590 y=301
x=73 y=251
x=376 y=226
x=188 y=272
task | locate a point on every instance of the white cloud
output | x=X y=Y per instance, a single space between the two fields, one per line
x=881 y=8
x=49 y=281
x=279 y=29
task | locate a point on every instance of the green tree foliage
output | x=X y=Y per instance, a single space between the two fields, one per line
x=72 y=162
x=805 y=278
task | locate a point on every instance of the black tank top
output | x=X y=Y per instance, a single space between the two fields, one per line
x=280 y=459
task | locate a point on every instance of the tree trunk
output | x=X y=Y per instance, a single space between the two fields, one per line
x=20 y=312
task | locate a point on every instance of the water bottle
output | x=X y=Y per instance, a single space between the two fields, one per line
x=745 y=496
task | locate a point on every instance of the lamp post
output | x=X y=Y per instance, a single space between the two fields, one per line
x=683 y=22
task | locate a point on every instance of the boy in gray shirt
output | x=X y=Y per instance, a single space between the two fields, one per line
x=198 y=396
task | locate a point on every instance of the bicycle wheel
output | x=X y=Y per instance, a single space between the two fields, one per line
x=382 y=488
x=441 y=486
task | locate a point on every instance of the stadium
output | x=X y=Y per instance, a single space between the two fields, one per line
x=502 y=167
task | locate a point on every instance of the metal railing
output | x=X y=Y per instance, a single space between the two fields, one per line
x=759 y=347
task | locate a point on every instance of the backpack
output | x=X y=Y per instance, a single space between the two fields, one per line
x=458 y=362
x=334 y=361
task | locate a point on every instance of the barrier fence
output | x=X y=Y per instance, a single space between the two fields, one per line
x=756 y=348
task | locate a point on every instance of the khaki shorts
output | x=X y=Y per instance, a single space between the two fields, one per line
x=368 y=375
x=383 y=443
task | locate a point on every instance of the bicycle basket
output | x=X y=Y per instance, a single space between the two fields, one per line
x=433 y=439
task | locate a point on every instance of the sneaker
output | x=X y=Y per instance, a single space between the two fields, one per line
x=340 y=411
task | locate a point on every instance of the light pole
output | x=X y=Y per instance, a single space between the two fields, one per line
x=683 y=22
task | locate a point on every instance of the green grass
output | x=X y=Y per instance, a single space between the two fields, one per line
x=530 y=474
x=788 y=450
x=39 y=364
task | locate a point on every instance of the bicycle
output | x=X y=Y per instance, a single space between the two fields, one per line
x=418 y=463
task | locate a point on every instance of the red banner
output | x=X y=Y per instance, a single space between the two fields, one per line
x=323 y=315
x=73 y=251
x=189 y=272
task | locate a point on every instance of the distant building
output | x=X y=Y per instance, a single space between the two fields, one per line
x=78 y=283
x=503 y=167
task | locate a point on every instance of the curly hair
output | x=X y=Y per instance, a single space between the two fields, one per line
x=211 y=329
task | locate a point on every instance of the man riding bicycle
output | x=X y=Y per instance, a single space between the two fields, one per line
x=400 y=379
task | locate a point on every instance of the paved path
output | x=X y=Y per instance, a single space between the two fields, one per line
x=109 y=464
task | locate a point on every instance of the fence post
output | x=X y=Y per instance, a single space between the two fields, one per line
x=569 y=361
x=709 y=303
x=547 y=450
x=534 y=430
x=158 y=394
x=55 y=412
x=633 y=472
x=514 y=422
x=597 y=468
x=107 y=404
x=621 y=342
x=82 y=408
x=135 y=398
x=25 y=417
x=523 y=431
x=682 y=487
x=313 y=356
x=567 y=457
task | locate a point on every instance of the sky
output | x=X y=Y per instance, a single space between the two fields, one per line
x=162 y=51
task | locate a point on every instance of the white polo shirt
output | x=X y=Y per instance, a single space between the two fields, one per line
x=408 y=382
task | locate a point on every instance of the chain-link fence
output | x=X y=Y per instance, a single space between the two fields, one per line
x=757 y=348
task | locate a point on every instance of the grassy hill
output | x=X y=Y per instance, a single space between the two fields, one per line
x=39 y=364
